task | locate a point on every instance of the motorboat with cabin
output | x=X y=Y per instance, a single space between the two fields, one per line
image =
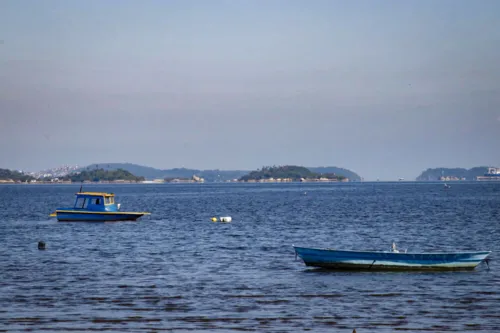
x=95 y=207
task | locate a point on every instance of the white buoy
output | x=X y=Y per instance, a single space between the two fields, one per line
x=225 y=219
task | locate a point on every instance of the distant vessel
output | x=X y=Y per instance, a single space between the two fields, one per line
x=492 y=174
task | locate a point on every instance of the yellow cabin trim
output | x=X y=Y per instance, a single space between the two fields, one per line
x=103 y=194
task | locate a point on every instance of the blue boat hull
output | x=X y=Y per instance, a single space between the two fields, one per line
x=366 y=260
x=97 y=216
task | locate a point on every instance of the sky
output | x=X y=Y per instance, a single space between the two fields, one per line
x=385 y=88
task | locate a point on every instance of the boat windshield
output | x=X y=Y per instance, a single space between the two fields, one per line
x=81 y=203
x=109 y=200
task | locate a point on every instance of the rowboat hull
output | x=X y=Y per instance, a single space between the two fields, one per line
x=367 y=260
x=75 y=216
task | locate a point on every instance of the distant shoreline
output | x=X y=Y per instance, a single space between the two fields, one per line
x=251 y=182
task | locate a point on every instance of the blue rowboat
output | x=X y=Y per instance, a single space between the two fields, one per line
x=95 y=207
x=379 y=260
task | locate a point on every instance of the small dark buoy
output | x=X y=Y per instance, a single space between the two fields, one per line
x=41 y=245
x=354 y=331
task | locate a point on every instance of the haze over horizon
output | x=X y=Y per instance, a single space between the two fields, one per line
x=386 y=89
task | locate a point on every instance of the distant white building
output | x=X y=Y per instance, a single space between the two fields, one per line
x=493 y=171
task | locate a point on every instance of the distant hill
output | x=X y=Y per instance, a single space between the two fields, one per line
x=291 y=172
x=338 y=171
x=152 y=173
x=96 y=175
x=6 y=174
x=436 y=173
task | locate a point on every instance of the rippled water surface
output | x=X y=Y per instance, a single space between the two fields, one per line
x=177 y=271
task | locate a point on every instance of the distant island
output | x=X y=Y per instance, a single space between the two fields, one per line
x=101 y=175
x=452 y=174
x=289 y=173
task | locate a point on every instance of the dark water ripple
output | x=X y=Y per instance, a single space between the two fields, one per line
x=177 y=271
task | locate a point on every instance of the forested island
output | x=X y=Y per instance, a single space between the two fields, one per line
x=433 y=174
x=287 y=173
x=101 y=175
x=10 y=176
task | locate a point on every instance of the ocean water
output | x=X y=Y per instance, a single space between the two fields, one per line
x=177 y=271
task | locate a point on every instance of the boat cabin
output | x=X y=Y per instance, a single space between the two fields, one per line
x=96 y=201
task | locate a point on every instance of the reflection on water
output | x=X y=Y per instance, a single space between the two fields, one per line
x=178 y=271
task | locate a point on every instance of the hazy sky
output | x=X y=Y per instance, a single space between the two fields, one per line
x=384 y=88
